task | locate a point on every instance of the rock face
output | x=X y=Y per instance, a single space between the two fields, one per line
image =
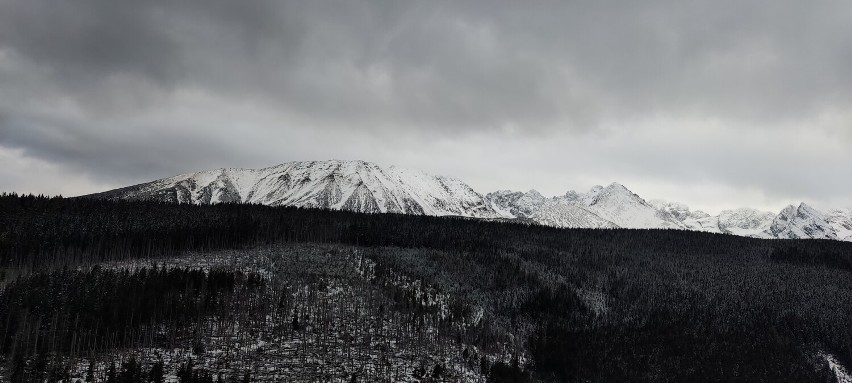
x=342 y=185
x=801 y=222
x=366 y=187
x=841 y=221
x=515 y=204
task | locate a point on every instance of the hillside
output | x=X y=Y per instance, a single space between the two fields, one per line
x=534 y=303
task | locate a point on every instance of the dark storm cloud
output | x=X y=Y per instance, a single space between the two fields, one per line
x=85 y=41
x=476 y=64
x=168 y=86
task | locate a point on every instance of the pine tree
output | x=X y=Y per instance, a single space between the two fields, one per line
x=184 y=373
x=438 y=370
x=296 y=326
x=131 y=371
x=111 y=377
x=156 y=373
x=90 y=372
x=483 y=366
x=17 y=370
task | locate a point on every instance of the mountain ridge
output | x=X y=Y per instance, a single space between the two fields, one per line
x=341 y=185
x=363 y=186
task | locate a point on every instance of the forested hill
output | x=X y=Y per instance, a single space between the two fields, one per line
x=569 y=304
x=35 y=231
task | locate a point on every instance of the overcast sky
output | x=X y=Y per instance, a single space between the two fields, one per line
x=717 y=104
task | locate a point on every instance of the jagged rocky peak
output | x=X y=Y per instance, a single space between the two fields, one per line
x=801 y=221
x=512 y=204
x=588 y=197
x=503 y=202
x=804 y=211
x=610 y=206
x=616 y=205
x=532 y=197
x=571 y=196
x=675 y=210
x=841 y=221
x=621 y=206
x=618 y=186
x=505 y=194
x=613 y=190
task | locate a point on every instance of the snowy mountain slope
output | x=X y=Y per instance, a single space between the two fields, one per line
x=745 y=222
x=709 y=224
x=553 y=213
x=841 y=221
x=611 y=206
x=366 y=187
x=801 y=222
x=619 y=205
x=343 y=185
x=616 y=206
x=691 y=220
x=557 y=211
x=511 y=204
x=677 y=211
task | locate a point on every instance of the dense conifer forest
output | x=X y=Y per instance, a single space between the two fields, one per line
x=145 y=291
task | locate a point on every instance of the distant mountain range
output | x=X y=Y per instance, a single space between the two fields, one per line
x=616 y=206
x=366 y=187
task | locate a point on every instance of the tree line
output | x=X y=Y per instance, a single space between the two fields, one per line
x=78 y=313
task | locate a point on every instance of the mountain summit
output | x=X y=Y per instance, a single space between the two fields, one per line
x=341 y=185
x=801 y=222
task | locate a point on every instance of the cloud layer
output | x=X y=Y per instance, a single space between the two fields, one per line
x=750 y=100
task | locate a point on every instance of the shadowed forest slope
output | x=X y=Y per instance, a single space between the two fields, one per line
x=535 y=303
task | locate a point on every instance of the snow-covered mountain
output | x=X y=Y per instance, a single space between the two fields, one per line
x=841 y=221
x=558 y=214
x=801 y=222
x=616 y=206
x=342 y=185
x=611 y=206
x=366 y=187
x=619 y=205
x=743 y=221
x=511 y=204
x=555 y=212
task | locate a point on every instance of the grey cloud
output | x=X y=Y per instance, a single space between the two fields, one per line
x=143 y=89
x=89 y=40
x=150 y=152
x=476 y=65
